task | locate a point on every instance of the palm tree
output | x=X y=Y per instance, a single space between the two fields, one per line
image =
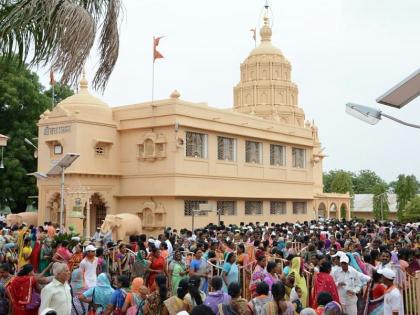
x=60 y=34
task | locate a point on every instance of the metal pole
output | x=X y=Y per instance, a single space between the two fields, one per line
x=218 y=214
x=62 y=199
x=400 y=121
x=192 y=221
x=382 y=209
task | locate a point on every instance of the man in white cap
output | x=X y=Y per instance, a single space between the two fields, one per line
x=88 y=266
x=393 y=302
x=348 y=284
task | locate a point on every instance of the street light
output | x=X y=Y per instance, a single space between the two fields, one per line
x=27 y=141
x=58 y=169
x=402 y=93
x=371 y=115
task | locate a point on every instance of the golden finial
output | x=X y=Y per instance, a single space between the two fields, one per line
x=83 y=82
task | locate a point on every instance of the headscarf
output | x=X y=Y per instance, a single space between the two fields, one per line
x=103 y=290
x=333 y=307
x=140 y=258
x=136 y=285
x=300 y=281
x=308 y=311
x=76 y=282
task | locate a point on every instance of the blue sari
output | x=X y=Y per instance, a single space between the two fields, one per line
x=232 y=273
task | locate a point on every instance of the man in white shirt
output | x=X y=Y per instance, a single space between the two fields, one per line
x=393 y=301
x=56 y=295
x=348 y=284
x=88 y=266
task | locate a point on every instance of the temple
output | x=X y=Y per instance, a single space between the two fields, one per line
x=174 y=162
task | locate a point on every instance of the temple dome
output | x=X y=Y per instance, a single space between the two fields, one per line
x=86 y=106
x=265 y=88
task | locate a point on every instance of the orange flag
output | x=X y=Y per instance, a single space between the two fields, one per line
x=52 y=80
x=156 y=54
x=254 y=33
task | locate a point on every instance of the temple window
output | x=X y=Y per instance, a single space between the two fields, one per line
x=152 y=147
x=191 y=205
x=277 y=155
x=298 y=157
x=226 y=149
x=299 y=207
x=226 y=207
x=277 y=207
x=101 y=148
x=253 y=152
x=253 y=207
x=196 y=145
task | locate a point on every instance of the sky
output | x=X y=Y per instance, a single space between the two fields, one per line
x=341 y=51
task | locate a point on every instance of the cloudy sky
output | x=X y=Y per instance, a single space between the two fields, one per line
x=340 y=50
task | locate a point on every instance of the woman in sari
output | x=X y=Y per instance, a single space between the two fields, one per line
x=36 y=249
x=300 y=281
x=154 y=304
x=242 y=258
x=25 y=253
x=179 y=271
x=258 y=274
x=237 y=305
x=271 y=276
x=123 y=259
x=175 y=303
x=135 y=299
x=198 y=267
x=45 y=254
x=76 y=289
x=279 y=305
x=157 y=266
x=76 y=258
x=230 y=271
x=323 y=281
x=376 y=295
x=22 y=290
x=99 y=296
x=257 y=304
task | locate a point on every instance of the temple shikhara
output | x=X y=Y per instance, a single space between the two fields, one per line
x=260 y=160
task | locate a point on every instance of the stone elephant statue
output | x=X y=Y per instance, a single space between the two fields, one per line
x=122 y=225
x=29 y=218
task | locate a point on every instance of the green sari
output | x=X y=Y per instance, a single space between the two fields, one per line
x=43 y=263
x=176 y=277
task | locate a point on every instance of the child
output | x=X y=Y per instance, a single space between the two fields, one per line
x=295 y=296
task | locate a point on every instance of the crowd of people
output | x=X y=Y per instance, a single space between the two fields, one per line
x=319 y=267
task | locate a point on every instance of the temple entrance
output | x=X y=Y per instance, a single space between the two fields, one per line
x=322 y=210
x=333 y=211
x=52 y=213
x=98 y=210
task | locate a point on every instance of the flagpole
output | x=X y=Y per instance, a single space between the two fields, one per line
x=53 y=95
x=153 y=81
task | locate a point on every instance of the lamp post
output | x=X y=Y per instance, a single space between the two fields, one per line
x=59 y=169
x=3 y=143
x=202 y=208
x=371 y=115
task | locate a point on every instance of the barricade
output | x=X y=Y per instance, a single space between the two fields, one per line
x=411 y=294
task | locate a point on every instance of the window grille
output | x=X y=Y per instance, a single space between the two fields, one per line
x=226 y=148
x=277 y=207
x=253 y=152
x=298 y=157
x=226 y=207
x=100 y=150
x=58 y=149
x=190 y=205
x=299 y=207
x=277 y=154
x=196 y=145
x=253 y=207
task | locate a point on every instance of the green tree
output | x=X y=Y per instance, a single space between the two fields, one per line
x=61 y=33
x=412 y=210
x=330 y=177
x=365 y=181
x=22 y=100
x=380 y=201
x=406 y=189
x=342 y=182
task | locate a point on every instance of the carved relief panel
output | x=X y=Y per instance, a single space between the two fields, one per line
x=152 y=146
x=152 y=215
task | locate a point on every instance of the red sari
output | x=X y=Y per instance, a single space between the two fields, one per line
x=20 y=291
x=35 y=256
x=323 y=282
x=156 y=264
